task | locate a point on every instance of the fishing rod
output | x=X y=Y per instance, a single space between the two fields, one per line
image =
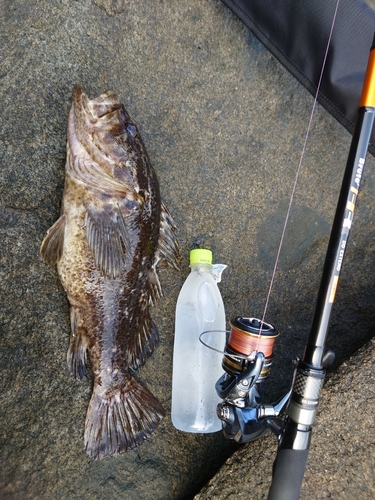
x=248 y=351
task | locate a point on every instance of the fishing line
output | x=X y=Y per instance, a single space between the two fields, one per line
x=297 y=175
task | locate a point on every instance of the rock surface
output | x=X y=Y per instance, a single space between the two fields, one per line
x=224 y=125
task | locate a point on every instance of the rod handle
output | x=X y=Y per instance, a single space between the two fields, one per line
x=288 y=470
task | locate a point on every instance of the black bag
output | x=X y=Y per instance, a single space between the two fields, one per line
x=296 y=32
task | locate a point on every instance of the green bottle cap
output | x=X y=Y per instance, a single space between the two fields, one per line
x=200 y=256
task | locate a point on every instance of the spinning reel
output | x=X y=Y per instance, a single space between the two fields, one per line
x=247 y=361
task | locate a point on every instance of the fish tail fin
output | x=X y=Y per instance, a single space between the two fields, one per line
x=120 y=419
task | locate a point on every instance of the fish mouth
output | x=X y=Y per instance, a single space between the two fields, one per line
x=105 y=104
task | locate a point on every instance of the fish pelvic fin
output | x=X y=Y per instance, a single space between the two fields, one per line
x=51 y=248
x=168 y=248
x=120 y=419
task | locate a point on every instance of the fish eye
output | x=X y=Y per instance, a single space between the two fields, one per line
x=131 y=129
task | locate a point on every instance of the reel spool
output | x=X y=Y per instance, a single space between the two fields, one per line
x=248 y=335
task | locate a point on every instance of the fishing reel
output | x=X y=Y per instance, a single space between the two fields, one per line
x=247 y=361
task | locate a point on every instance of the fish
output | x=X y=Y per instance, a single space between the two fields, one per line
x=113 y=230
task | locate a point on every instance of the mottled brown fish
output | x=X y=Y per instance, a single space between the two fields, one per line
x=112 y=232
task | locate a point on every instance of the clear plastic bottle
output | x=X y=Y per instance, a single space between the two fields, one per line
x=196 y=368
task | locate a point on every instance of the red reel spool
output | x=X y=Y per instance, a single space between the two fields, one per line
x=248 y=335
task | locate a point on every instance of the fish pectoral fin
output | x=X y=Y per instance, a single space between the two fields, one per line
x=120 y=419
x=51 y=248
x=108 y=239
x=167 y=245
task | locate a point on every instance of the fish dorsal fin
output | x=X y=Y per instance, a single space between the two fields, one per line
x=167 y=245
x=154 y=286
x=108 y=239
x=146 y=336
x=51 y=248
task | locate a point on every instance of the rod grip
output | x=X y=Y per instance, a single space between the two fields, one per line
x=288 y=470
